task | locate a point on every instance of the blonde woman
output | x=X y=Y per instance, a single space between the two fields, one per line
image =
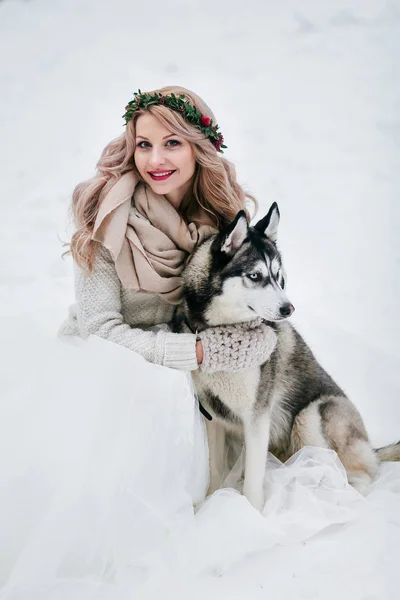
x=161 y=188
x=106 y=450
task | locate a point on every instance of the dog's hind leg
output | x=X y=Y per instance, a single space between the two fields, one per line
x=217 y=453
x=256 y=437
x=360 y=462
x=333 y=422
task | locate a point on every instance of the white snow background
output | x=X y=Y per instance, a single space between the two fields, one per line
x=307 y=95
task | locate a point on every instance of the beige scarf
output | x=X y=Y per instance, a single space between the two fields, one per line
x=147 y=238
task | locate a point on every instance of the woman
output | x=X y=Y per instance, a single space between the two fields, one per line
x=161 y=188
x=113 y=441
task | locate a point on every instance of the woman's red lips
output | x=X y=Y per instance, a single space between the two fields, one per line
x=160 y=175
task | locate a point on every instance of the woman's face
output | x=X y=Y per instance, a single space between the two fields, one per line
x=164 y=160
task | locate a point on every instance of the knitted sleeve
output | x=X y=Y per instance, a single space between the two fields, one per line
x=98 y=297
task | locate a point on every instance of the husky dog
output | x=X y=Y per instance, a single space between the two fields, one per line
x=290 y=401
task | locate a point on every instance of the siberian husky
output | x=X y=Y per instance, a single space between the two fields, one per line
x=290 y=401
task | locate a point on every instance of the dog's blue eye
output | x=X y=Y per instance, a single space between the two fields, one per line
x=283 y=283
x=254 y=276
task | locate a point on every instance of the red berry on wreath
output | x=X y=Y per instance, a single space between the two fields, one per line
x=205 y=121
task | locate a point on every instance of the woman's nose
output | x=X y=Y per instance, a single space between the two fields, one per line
x=157 y=157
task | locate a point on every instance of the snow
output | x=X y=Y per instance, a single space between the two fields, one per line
x=307 y=95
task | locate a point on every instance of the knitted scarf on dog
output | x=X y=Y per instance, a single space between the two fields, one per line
x=147 y=238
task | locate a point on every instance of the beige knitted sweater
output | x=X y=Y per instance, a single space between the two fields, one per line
x=135 y=320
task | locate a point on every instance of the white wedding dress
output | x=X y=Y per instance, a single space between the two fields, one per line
x=102 y=459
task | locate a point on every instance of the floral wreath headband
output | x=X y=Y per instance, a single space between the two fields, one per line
x=179 y=104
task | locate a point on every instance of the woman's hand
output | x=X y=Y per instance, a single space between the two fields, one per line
x=199 y=352
x=235 y=347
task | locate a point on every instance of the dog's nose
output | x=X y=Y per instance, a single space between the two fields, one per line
x=286 y=310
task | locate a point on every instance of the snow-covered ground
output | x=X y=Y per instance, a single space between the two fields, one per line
x=307 y=95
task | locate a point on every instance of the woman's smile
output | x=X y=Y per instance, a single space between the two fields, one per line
x=161 y=175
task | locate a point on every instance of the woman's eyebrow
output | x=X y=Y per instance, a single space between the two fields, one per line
x=164 y=138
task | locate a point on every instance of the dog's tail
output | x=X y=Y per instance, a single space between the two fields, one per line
x=391 y=452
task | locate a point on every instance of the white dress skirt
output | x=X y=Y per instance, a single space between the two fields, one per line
x=103 y=475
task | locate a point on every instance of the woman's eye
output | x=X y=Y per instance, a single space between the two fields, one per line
x=169 y=144
x=254 y=276
x=173 y=143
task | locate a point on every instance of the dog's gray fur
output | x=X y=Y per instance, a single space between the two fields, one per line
x=289 y=402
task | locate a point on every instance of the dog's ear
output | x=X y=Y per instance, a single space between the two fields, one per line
x=234 y=235
x=269 y=224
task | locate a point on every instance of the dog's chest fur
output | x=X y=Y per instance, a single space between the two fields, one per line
x=236 y=392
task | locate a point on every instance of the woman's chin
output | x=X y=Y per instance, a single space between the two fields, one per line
x=161 y=187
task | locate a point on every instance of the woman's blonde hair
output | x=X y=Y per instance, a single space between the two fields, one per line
x=215 y=188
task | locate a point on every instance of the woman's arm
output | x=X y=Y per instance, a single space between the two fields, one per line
x=98 y=296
